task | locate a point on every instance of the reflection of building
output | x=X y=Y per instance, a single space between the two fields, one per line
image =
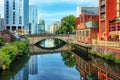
x=41 y=26
x=49 y=43
x=33 y=19
x=16 y=15
x=86 y=69
x=96 y=69
x=33 y=65
x=22 y=75
x=87 y=27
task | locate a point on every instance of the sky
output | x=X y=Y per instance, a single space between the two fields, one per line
x=55 y=10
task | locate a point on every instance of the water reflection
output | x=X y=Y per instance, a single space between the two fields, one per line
x=14 y=69
x=69 y=59
x=50 y=44
x=46 y=67
x=62 y=66
x=96 y=68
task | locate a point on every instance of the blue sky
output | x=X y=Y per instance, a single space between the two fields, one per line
x=54 y=10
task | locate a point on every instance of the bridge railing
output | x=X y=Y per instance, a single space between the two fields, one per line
x=35 y=35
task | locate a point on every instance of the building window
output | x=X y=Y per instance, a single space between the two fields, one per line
x=103 y=16
x=87 y=33
x=81 y=19
x=118 y=28
x=20 y=20
x=112 y=28
x=7 y=22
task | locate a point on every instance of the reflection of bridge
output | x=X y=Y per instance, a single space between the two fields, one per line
x=36 y=50
x=36 y=38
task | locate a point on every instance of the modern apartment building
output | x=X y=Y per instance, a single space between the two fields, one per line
x=86 y=10
x=41 y=26
x=16 y=15
x=87 y=24
x=33 y=19
x=1 y=24
x=108 y=15
x=86 y=27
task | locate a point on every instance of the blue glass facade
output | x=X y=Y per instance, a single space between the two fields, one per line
x=33 y=19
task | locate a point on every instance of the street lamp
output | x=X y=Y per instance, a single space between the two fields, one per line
x=119 y=38
x=68 y=37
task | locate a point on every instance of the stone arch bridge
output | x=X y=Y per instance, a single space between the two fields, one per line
x=36 y=38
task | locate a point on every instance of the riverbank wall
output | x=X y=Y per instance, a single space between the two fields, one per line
x=108 y=53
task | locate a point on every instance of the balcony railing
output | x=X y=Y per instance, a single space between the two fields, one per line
x=102 y=3
x=102 y=10
x=92 y=24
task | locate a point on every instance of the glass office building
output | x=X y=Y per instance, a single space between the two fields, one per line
x=16 y=15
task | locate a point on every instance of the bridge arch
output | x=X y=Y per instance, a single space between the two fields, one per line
x=57 y=45
x=36 y=38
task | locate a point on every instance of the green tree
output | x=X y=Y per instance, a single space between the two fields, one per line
x=67 y=25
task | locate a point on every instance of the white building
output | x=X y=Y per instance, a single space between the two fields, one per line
x=16 y=15
x=53 y=27
x=86 y=10
x=33 y=19
x=1 y=24
x=41 y=26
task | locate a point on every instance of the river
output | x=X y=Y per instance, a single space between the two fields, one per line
x=62 y=65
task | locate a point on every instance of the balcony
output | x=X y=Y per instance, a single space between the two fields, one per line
x=103 y=10
x=102 y=3
x=92 y=24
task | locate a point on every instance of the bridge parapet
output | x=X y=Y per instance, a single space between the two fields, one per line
x=36 y=38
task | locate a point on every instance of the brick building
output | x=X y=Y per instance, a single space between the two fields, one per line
x=109 y=19
x=86 y=27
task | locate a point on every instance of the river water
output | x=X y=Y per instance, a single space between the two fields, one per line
x=62 y=65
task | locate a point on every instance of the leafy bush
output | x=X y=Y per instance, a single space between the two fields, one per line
x=4 y=59
x=21 y=46
x=117 y=60
x=10 y=50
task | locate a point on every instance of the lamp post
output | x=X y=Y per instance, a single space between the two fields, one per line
x=68 y=37
x=119 y=38
x=105 y=51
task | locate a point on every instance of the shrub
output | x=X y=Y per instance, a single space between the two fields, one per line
x=117 y=60
x=21 y=46
x=4 y=59
x=10 y=50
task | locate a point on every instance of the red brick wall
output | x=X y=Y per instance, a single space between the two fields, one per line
x=82 y=21
x=110 y=13
x=77 y=22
